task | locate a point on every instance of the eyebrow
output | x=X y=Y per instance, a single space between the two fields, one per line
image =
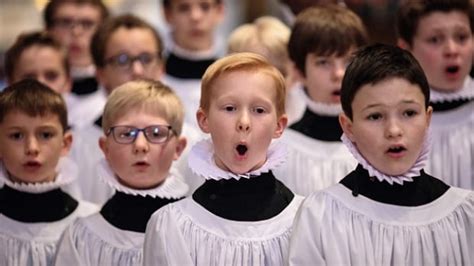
x=379 y=104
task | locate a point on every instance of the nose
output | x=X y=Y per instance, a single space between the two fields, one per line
x=141 y=145
x=196 y=13
x=32 y=146
x=77 y=29
x=450 y=47
x=137 y=69
x=393 y=129
x=243 y=124
x=339 y=70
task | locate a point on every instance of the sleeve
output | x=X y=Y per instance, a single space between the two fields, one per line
x=164 y=242
x=305 y=243
x=67 y=253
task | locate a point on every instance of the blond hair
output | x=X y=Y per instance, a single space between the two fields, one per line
x=267 y=36
x=152 y=97
x=248 y=62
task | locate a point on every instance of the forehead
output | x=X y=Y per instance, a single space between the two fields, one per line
x=443 y=21
x=134 y=40
x=74 y=10
x=174 y=3
x=258 y=84
x=46 y=55
x=20 y=119
x=140 y=117
x=389 y=92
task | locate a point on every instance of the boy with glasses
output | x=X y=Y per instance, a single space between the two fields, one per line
x=142 y=126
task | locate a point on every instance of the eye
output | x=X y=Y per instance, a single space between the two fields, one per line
x=183 y=7
x=229 y=108
x=145 y=58
x=434 y=39
x=259 y=110
x=410 y=113
x=205 y=6
x=46 y=135
x=322 y=62
x=16 y=136
x=51 y=75
x=462 y=37
x=374 y=117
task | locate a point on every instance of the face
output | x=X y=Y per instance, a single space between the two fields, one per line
x=242 y=120
x=141 y=164
x=443 y=45
x=44 y=64
x=193 y=22
x=389 y=124
x=323 y=76
x=132 y=43
x=30 y=147
x=74 y=26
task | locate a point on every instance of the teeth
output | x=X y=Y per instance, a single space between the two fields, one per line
x=241 y=149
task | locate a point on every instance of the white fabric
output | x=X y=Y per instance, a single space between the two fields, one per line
x=35 y=243
x=83 y=110
x=171 y=188
x=452 y=147
x=335 y=228
x=466 y=92
x=322 y=108
x=184 y=233
x=313 y=164
x=87 y=154
x=405 y=177
x=295 y=103
x=202 y=162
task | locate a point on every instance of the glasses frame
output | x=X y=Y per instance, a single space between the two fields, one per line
x=69 y=23
x=111 y=130
x=131 y=59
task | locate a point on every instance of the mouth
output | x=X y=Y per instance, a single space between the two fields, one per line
x=396 y=150
x=141 y=164
x=336 y=93
x=452 y=69
x=32 y=164
x=241 y=149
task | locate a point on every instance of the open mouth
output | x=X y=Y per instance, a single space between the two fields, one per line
x=142 y=163
x=241 y=149
x=396 y=149
x=336 y=93
x=452 y=69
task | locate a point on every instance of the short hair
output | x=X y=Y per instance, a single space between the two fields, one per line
x=325 y=30
x=34 y=99
x=248 y=62
x=150 y=96
x=110 y=26
x=167 y=3
x=411 y=11
x=27 y=40
x=377 y=63
x=267 y=36
x=53 y=5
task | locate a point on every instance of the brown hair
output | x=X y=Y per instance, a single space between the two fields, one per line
x=53 y=5
x=325 y=30
x=33 y=98
x=248 y=62
x=167 y=3
x=102 y=35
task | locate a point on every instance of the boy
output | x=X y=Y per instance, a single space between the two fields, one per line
x=72 y=23
x=388 y=211
x=321 y=45
x=191 y=47
x=241 y=215
x=439 y=34
x=34 y=211
x=124 y=48
x=141 y=138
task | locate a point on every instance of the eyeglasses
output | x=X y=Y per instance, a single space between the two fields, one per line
x=69 y=23
x=125 y=61
x=154 y=134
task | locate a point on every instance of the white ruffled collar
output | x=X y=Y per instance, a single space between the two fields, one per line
x=406 y=177
x=201 y=161
x=322 y=108
x=66 y=169
x=466 y=93
x=172 y=188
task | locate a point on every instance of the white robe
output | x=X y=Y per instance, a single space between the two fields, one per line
x=185 y=233
x=335 y=228
x=35 y=243
x=313 y=164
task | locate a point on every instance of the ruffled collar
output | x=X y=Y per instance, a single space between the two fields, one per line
x=172 y=188
x=66 y=169
x=466 y=93
x=322 y=108
x=201 y=161
x=406 y=177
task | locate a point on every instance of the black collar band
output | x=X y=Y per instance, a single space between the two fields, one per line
x=325 y=128
x=84 y=86
x=449 y=105
x=184 y=68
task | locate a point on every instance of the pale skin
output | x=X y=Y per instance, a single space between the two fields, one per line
x=389 y=124
x=240 y=114
x=141 y=164
x=30 y=147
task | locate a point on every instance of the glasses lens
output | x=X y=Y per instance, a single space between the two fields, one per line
x=145 y=59
x=157 y=134
x=124 y=134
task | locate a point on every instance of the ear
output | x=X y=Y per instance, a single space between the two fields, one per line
x=220 y=11
x=103 y=145
x=67 y=143
x=202 y=120
x=298 y=74
x=67 y=86
x=281 y=125
x=403 y=44
x=429 y=113
x=346 y=125
x=168 y=14
x=180 y=146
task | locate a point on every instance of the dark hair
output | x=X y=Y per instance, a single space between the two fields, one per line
x=411 y=11
x=102 y=35
x=53 y=5
x=167 y=3
x=325 y=30
x=33 y=98
x=376 y=63
x=27 y=40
